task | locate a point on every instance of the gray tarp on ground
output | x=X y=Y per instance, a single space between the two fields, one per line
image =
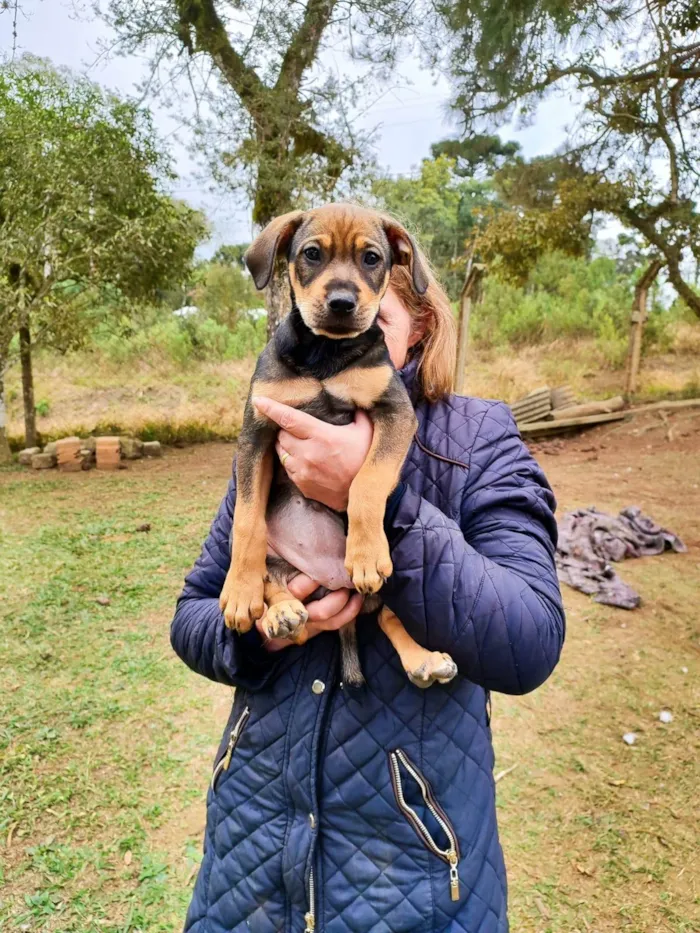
x=589 y=540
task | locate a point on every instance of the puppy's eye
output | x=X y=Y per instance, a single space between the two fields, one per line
x=312 y=253
x=371 y=258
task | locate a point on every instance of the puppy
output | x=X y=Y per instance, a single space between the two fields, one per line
x=328 y=358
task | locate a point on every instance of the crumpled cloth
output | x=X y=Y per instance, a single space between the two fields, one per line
x=589 y=540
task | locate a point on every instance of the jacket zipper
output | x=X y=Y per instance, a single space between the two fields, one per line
x=310 y=915
x=450 y=855
x=233 y=738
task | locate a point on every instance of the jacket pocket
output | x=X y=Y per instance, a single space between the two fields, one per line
x=403 y=770
x=224 y=761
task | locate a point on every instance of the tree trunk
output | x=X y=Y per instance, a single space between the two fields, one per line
x=5 y=454
x=278 y=301
x=637 y=322
x=272 y=198
x=25 y=355
x=686 y=292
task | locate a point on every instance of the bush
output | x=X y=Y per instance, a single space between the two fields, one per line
x=566 y=298
x=181 y=340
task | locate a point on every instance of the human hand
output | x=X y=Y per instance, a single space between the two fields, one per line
x=327 y=614
x=322 y=459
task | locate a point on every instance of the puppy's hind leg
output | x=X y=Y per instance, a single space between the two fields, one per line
x=423 y=667
x=286 y=616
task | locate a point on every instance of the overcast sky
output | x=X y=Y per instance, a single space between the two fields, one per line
x=409 y=118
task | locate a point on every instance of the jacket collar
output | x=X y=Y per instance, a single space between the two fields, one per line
x=409 y=377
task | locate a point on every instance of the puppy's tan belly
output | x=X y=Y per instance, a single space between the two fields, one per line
x=311 y=538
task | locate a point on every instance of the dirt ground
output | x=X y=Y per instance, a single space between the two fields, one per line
x=106 y=741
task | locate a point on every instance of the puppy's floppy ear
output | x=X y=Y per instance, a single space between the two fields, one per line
x=406 y=253
x=262 y=252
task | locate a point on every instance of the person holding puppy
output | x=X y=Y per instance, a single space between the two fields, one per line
x=372 y=808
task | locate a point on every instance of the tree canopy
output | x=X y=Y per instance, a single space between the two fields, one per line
x=442 y=207
x=278 y=86
x=635 y=69
x=83 y=203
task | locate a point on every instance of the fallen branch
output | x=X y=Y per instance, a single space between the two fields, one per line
x=502 y=774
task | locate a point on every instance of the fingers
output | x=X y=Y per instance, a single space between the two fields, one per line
x=302 y=586
x=349 y=612
x=295 y=422
x=285 y=455
x=321 y=610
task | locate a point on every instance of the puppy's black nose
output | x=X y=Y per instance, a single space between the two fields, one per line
x=342 y=302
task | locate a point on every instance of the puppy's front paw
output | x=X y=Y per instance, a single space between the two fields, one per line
x=286 y=619
x=241 y=601
x=368 y=563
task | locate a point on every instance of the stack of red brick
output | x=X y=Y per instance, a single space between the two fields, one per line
x=73 y=454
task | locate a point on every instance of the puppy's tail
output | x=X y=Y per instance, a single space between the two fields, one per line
x=351 y=671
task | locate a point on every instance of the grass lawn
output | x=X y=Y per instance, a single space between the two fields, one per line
x=106 y=739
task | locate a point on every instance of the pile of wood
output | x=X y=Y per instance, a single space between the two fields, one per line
x=551 y=411
x=73 y=454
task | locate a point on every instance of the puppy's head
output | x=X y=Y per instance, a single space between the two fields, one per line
x=339 y=257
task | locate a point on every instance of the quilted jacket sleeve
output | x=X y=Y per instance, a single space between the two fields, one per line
x=484 y=590
x=198 y=633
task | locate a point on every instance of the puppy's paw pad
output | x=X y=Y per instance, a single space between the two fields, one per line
x=437 y=667
x=284 y=619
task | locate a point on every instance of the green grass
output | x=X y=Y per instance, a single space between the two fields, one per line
x=106 y=739
x=99 y=727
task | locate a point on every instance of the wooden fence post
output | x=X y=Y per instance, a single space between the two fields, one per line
x=637 y=319
x=470 y=293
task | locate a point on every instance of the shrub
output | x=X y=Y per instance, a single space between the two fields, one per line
x=181 y=340
x=566 y=298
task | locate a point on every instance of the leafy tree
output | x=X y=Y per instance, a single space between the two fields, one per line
x=442 y=207
x=546 y=205
x=225 y=292
x=276 y=116
x=476 y=153
x=231 y=254
x=83 y=209
x=635 y=67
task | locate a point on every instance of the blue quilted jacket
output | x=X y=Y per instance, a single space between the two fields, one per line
x=350 y=811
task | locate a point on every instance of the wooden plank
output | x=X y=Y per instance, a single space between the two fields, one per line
x=551 y=427
x=667 y=406
x=590 y=408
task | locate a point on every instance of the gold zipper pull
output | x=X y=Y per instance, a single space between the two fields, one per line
x=225 y=762
x=229 y=755
x=454 y=877
x=310 y=921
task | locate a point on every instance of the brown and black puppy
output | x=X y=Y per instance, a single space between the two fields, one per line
x=328 y=358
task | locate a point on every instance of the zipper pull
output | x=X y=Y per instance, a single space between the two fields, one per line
x=225 y=762
x=310 y=921
x=229 y=754
x=454 y=876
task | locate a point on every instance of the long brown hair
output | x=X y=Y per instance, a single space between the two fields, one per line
x=436 y=352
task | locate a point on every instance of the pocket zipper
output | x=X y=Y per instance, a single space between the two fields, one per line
x=310 y=915
x=451 y=855
x=233 y=738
